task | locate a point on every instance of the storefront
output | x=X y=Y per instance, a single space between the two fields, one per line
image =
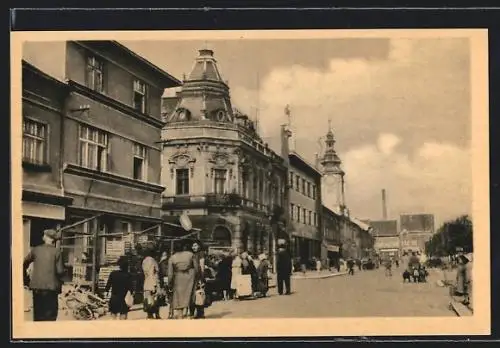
x=39 y=216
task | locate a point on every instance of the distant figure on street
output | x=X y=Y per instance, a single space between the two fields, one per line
x=358 y=263
x=284 y=270
x=46 y=277
x=318 y=265
x=388 y=268
x=350 y=266
x=198 y=311
x=235 y=272
x=224 y=276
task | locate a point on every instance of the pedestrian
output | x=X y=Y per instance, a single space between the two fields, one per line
x=263 y=275
x=120 y=283
x=198 y=311
x=151 y=288
x=166 y=293
x=248 y=268
x=284 y=270
x=388 y=268
x=463 y=278
x=318 y=265
x=181 y=274
x=235 y=272
x=358 y=263
x=46 y=277
x=350 y=266
x=224 y=276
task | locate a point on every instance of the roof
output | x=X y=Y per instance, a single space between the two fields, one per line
x=385 y=228
x=417 y=222
x=34 y=69
x=294 y=157
x=360 y=223
x=205 y=67
x=167 y=76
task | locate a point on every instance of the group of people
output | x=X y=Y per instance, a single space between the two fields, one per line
x=178 y=280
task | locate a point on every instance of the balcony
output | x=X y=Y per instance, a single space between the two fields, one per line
x=214 y=200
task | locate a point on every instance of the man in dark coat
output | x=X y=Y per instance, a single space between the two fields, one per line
x=46 y=277
x=284 y=270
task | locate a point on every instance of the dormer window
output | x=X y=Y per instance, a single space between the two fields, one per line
x=95 y=74
x=221 y=115
x=140 y=96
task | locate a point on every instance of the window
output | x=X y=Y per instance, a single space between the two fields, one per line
x=304 y=215
x=93 y=148
x=34 y=142
x=182 y=181
x=126 y=227
x=219 y=180
x=139 y=96
x=314 y=191
x=292 y=211
x=291 y=179
x=297 y=182
x=315 y=219
x=95 y=68
x=140 y=162
x=298 y=214
x=309 y=218
x=308 y=189
x=303 y=186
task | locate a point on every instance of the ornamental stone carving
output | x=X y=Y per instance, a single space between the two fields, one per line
x=181 y=160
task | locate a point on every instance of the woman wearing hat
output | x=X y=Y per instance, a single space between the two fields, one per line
x=120 y=283
x=46 y=277
x=263 y=275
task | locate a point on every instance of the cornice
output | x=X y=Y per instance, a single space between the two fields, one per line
x=112 y=178
x=113 y=103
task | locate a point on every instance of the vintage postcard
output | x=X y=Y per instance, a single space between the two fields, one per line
x=250 y=183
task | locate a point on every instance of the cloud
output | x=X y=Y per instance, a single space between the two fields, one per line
x=387 y=143
x=436 y=178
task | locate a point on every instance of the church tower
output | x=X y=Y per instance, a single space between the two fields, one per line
x=333 y=175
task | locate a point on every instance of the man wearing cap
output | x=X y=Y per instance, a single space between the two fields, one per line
x=46 y=277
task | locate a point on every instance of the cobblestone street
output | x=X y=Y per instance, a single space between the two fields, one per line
x=366 y=294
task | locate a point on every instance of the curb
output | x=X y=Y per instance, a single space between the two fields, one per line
x=320 y=277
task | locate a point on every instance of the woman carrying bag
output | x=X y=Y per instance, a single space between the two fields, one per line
x=120 y=284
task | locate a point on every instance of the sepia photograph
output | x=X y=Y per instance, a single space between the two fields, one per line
x=329 y=182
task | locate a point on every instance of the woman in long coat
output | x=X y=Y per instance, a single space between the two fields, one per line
x=463 y=277
x=235 y=271
x=224 y=275
x=181 y=273
x=151 y=287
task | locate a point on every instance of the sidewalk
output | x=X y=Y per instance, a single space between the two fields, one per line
x=317 y=275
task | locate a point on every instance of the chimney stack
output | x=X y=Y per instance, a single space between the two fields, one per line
x=384 y=206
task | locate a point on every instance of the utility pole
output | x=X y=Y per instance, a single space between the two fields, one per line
x=95 y=235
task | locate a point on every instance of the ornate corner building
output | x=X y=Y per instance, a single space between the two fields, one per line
x=217 y=169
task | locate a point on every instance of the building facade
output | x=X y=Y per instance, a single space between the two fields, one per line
x=304 y=182
x=216 y=168
x=110 y=147
x=332 y=237
x=387 y=241
x=416 y=230
x=43 y=200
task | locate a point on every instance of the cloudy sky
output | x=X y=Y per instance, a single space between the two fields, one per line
x=399 y=109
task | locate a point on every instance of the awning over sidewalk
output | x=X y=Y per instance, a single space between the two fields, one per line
x=333 y=248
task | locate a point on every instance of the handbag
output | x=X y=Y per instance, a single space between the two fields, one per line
x=129 y=299
x=200 y=296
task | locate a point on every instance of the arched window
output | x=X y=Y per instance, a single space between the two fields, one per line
x=222 y=236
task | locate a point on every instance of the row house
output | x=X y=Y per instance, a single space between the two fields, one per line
x=304 y=185
x=216 y=168
x=104 y=148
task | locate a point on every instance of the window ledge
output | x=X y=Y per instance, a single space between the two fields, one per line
x=36 y=167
